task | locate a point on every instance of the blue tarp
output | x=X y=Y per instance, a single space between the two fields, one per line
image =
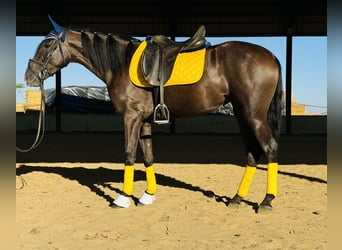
x=81 y=99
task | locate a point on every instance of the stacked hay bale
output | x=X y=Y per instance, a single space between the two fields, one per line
x=33 y=100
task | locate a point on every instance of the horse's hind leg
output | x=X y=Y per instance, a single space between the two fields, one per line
x=269 y=147
x=145 y=141
x=258 y=140
x=253 y=152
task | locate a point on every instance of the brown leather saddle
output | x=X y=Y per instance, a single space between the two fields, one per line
x=158 y=60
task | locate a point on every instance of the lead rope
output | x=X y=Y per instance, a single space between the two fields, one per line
x=41 y=125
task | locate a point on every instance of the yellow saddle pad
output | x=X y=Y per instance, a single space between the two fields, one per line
x=188 y=68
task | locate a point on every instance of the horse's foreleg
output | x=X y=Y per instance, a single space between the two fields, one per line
x=132 y=125
x=145 y=141
x=123 y=199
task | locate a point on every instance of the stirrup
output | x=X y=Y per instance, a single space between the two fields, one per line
x=161 y=114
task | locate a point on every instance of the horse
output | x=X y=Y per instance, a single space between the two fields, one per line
x=244 y=74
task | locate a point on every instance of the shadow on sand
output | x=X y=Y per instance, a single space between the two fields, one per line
x=92 y=178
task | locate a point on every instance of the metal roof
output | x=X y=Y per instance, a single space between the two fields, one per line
x=141 y=18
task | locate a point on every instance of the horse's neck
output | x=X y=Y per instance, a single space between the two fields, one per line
x=77 y=55
x=75 y=49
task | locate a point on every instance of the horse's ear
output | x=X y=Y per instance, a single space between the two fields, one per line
x=56 y=26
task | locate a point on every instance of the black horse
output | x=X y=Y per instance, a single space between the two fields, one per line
x=247 y=75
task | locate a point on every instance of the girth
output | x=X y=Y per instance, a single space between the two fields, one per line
x=158 y=60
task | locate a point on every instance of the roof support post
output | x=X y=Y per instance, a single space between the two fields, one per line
x=58 y=100
x=288 y=81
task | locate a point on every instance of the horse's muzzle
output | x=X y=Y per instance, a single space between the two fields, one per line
x=33 y=80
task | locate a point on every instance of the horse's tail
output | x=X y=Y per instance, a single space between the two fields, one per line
x=274 y=111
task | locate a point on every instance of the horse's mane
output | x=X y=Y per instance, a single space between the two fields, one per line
x=103 y=51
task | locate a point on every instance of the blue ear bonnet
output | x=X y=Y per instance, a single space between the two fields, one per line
x=58 y=30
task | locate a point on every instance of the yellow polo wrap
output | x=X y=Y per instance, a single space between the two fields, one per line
x=246 y=181
x=128 y=180
x=151 y=180
x=272 y=179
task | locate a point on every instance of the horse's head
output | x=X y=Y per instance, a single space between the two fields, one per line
x=50 y=56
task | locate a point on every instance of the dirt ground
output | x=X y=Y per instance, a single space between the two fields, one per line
x=66 y=205
x=64 y=189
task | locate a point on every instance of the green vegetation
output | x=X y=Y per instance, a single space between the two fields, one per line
x=20 y=85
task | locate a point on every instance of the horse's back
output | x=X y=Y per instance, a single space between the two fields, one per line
x=233 y=70
x=235 y=52
x=246 y=66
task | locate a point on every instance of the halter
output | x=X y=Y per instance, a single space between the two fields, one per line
x=57 y=39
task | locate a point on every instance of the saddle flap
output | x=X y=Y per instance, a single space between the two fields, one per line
x=157 y=63
x=161 y=52
x=150 y=63
x=187 y=69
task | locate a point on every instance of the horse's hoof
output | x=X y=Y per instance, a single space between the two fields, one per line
x=234 y=205
x=264 y=209
x=122 y=202
x=146 y=199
